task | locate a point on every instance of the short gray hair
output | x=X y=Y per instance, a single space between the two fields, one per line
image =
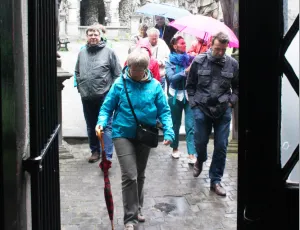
x=152 y=31
x=138 y=57
x=221 y=37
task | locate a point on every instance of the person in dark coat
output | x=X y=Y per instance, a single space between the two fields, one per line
x=166 y=32
x=213 y=89
x=96 y=70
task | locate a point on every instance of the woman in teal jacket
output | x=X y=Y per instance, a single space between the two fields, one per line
x=149 y=103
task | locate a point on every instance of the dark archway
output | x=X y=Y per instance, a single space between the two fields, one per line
x=92 y=12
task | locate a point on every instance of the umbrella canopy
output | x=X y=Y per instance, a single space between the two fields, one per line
x=163 y=10
x=203 y=26
x=105 y=165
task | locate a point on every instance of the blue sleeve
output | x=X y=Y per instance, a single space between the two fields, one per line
x=109 y=105
x=75 y=82
x=164 y=114
x=172 y=75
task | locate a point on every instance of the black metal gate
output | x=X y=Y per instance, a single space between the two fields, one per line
x=265 y=199
x=43 y=163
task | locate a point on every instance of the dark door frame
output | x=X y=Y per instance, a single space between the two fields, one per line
x=262 y=199
x=8 y=148
x=263 y=195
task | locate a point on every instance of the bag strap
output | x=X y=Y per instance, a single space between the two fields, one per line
x=136 y=120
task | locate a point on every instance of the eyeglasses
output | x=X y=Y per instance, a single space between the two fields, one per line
x=95 y=35
x=137 y=70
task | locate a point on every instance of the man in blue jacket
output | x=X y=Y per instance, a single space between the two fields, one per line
x=212 y=87
x=96 y=69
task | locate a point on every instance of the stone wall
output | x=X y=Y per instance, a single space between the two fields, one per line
x=126 y=8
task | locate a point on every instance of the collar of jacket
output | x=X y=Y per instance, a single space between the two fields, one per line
x=95 y=48
x=219 y=61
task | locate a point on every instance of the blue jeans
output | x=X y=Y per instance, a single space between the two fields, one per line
x=203 y=127
x=91 y=110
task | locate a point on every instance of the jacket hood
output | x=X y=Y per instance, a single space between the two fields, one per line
x=144 y=43
x=95 y=48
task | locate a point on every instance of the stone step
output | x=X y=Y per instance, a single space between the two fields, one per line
x=232 y=146
x=232 y=150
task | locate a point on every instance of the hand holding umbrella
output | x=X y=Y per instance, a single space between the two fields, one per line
x=105 y=165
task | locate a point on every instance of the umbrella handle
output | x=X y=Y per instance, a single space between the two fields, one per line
x=202 y=42
x=100 y=137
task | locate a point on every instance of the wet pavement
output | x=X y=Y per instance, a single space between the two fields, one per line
x=174 y=199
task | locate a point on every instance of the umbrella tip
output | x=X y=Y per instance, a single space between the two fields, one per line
x=112 y=225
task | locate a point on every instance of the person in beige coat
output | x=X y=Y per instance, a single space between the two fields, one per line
x=160 y=51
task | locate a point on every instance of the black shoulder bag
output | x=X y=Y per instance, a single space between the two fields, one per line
x=144 y=134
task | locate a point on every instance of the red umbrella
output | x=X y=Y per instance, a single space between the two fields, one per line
x=105 y=165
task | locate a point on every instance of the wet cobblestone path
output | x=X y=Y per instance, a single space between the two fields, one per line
x=174 y=199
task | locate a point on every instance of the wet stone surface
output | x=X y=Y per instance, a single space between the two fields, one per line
x=174 y=199
x=165 y=207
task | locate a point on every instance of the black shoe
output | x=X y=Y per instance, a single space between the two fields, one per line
x=197 y=168
x=218 y=189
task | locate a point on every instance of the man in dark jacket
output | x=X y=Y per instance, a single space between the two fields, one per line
x=212 y=87
x=165 y=32
x=96 y=69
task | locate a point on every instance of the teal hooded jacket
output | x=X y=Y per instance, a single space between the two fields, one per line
x=149 y=103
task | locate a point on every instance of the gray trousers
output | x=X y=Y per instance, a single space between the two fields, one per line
x=133 y=159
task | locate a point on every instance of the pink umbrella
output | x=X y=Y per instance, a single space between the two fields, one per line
x=204 y=27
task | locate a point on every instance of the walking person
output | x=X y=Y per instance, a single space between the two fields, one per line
x=212 y=87
x=96 y=69
x=160 y=51
x=149 y=102
x=177 y=69
x=153 y=63
x=137 y=38
x=166 y=32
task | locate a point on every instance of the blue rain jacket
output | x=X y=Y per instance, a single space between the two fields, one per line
x=149 y=103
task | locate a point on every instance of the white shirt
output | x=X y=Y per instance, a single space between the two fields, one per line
x=161 y=53
x=180 y=94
